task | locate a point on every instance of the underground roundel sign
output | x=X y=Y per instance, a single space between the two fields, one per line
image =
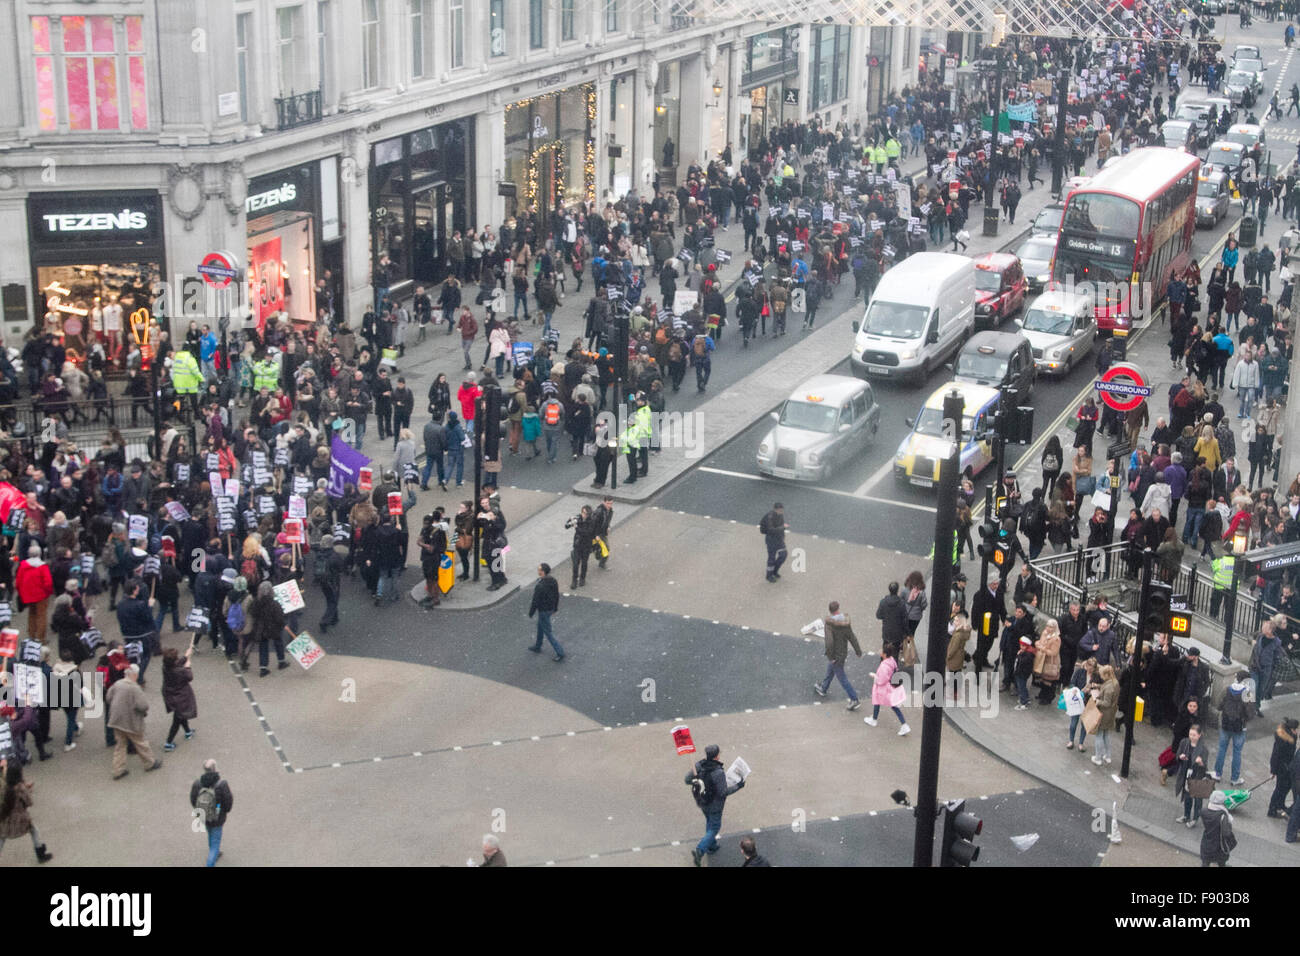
x=1123 y=386
x=219 y=269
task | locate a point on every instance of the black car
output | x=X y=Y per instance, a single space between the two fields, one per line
x=996 y=359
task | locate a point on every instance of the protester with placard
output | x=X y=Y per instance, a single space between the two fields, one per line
x=266 y=625
x=35 y=586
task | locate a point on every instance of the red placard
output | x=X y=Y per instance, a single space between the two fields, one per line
x=394 y=502
x=682 y=739
x=293 y=531
x=8 y=642
x=954 y=189
x=365 y=479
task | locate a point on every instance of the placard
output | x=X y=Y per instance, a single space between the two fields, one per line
x=394 y=503
x=258 y=459
x=305 y=650
x=684 y=301
x=301 y=485
x=225 y=521
x=92 y=640
x=250 y=520
x=214 y=479
x=282 y=456
x=297 y=506
x=17 y=519
x=261 y=476
x=722 y=255
x=176 y=511
x=828 y=210
x=197 y=620
x=6 y=740
x=265 y=505
x=232 y=489
x=152 y=565
x=138 y=527
x=366 y=475
x=293 y=533
x=87 y=563
x=613 y=292
x=182 y=473
x=289 y=595
x=213 y=462
x=341 y=530
x=29 y=651
x=796 y=246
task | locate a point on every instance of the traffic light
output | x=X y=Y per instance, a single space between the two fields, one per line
x=1155 y=618
x=960 y=829
x=988 y=538
x=491 y=423
x=620 y=347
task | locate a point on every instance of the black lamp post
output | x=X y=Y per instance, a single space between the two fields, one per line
x=990 y=191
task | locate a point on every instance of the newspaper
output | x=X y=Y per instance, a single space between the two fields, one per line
x=737 y=772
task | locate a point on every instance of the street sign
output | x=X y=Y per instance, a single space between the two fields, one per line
x=219 y=268
x=1123 y=386
x=791 y=96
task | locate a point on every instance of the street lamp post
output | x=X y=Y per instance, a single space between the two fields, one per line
x=990 y=199
x=1239 y=540
x=1058 y=148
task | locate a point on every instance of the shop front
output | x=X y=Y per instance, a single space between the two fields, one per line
x=283 y=214
x=418 y=199
x=550 y=151
x=96 y=259
x=769 y=80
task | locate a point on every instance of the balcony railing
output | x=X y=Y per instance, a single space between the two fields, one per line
x=298 y=109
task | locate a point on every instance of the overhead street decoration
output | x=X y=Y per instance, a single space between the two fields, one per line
x=998 y=18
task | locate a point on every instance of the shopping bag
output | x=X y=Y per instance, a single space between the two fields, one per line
x=602 y=549
x=1091 y=716
x=1060 y=701
x=1167 y=759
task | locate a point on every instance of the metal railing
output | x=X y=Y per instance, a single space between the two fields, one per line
x=298 y=109
x=1068 y=575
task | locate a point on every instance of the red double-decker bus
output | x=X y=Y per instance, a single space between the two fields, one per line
x=1127 y=231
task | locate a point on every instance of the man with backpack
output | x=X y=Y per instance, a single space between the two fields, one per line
x=328 y=573
x=708 y=783
x=551 y=415
x=212 y=801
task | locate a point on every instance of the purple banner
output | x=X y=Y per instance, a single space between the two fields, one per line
x=345 y=464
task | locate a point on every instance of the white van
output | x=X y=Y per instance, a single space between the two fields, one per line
x=921 y=312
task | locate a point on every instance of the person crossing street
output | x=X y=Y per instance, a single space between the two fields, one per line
x=546 y=601
x=774 y=528
x=839 y=635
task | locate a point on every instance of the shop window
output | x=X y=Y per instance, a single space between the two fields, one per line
x=84 y=65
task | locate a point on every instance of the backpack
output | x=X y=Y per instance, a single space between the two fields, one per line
x=109 y=555
x=235 y=617
x=702 y=788
x=675 y=352
x=251 y=572
x=207 y=803
x=514 y=405
x=1051 y=463
x=700 y=347
x=551 y=413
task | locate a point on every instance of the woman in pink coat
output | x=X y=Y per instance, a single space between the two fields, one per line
x=884 y=694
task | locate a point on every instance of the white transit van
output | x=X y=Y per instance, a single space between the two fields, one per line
x=922 y=310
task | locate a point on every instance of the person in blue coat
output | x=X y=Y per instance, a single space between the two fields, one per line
x=1230 y=256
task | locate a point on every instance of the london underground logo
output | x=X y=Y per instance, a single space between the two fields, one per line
x=1123 y=386
x=219 y=268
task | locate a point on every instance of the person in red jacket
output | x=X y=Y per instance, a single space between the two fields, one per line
x=35 y=586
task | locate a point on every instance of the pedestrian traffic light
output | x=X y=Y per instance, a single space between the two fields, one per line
x=620 y=347
x=960 y=829
x=491 y=423
x=988 y=538
x=1155 y=617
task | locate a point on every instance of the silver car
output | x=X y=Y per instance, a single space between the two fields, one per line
x=1061 y=328
x=1036 y=259
x=826 y=422
x=1212 y=198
